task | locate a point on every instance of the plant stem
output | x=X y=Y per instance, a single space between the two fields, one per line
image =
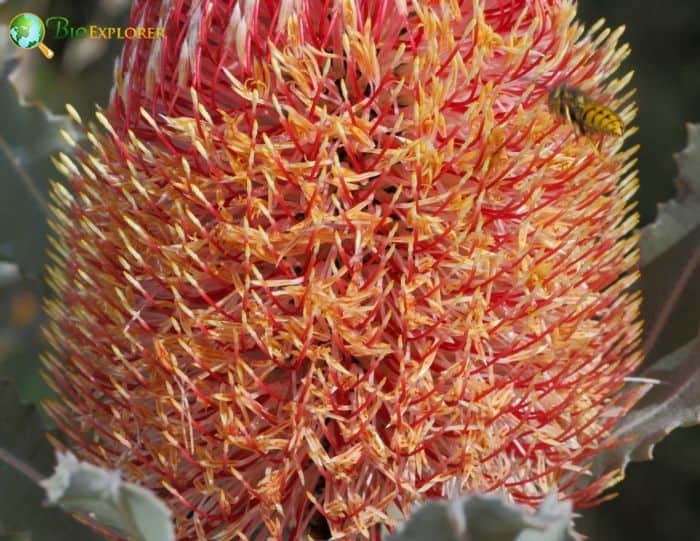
x=14 y=462
x=24 y=176
x=671 y=301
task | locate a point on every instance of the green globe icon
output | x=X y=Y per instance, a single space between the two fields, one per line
x=27 y=31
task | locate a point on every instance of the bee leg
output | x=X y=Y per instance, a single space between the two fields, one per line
x=581 y=126
x=570 y=119
x=597 y=147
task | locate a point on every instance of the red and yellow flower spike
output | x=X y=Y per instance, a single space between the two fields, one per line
x=330 y=257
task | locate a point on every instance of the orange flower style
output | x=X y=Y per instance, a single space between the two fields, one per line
x=326 y=259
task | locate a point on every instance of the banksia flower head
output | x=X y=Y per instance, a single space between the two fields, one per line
x=327 y=258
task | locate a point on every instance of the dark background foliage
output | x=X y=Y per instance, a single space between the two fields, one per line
x=659 y=500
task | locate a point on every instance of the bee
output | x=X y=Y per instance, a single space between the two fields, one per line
x=577 y=107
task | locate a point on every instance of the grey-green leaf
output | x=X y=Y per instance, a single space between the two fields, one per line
x=679 y=216
x=672 y=403
x=557 y=516
x=479 y=517
x=9 y=274
x=103 y=497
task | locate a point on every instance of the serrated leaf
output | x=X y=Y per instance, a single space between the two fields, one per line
x=558 y=518
x=676 y=218
x=103 y=497
x=29 y=134
x=21 y=500
x=672 y=403
x=479 y=517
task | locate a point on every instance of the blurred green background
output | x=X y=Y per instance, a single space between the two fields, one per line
x=659 y=500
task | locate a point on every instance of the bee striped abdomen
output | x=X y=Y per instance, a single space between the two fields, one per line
x=575 y=106
x=599 y=119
